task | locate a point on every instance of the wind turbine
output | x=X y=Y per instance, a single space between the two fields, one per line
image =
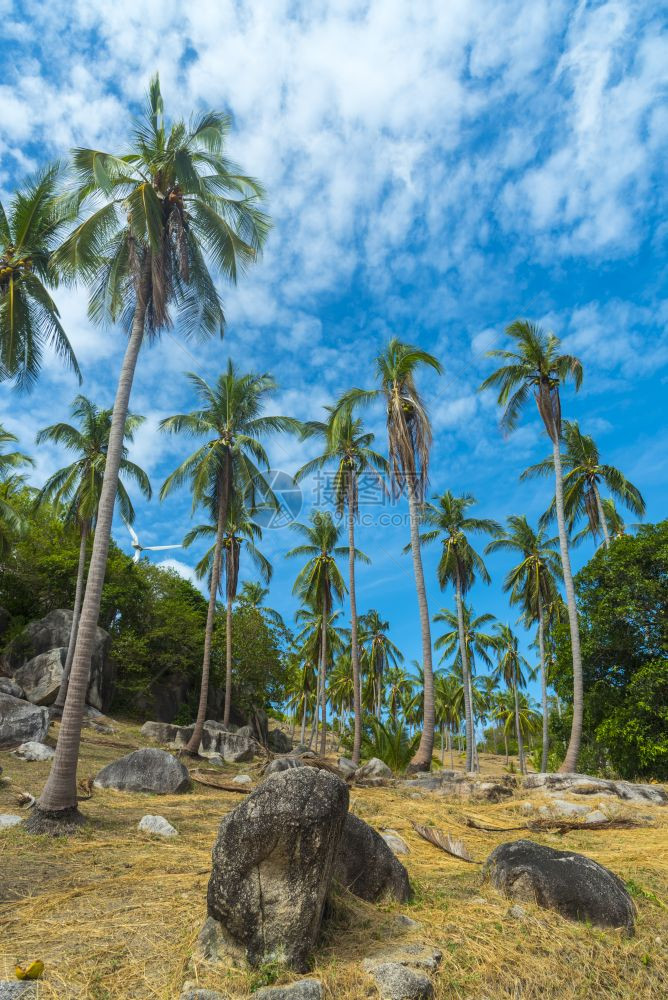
x=139 y=548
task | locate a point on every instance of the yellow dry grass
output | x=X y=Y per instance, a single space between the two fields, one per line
x=114 y=913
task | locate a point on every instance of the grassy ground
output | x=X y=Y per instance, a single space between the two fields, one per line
x=114 y=913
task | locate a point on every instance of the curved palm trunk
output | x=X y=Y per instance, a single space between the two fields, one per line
x=196 y=738
x=518 y=729
x=570 y=762
x=303 y=731
x=323 y=676
x=58 y=802
x=354 y=649
x=543 y=685
x=76 y=614
x=422 y=759
x=601 y=518
x=463 y=652
x=228 y=662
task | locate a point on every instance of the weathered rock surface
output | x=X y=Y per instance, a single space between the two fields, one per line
x=278 y=741
x=273 y=862
x=242 y=779
x=466 y=786
x=17 y=990
x=40 y=677
x=305 y=989
x=584 y=784
x=284 y=764
x=20 y=721
x=159 y=732
x=373 y=768
x=572 y=884
x=346 y=767
x=397 y=982
x=145 y=770
x=9 y=686
x=216 y=739
x=157 y=825
x=395 y=843
x=366 y=866
x=197 y=993
x=569 y=808
x=53 y=632
x=8 y=820
x=416 y=955
x=34 y=751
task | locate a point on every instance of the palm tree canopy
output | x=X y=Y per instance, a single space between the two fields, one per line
x=377 y=643
x=533 y=579
x=153 y=215
x=478 y=642
x=511 y=663
x=30 y=230
x=320 y=577
x=78 y=485
x=583 y=474
x=12 y=484
x=534 y=366
x=449 y=521
x=308 y=638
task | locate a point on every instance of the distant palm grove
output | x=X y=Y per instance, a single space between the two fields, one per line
x=152 y=231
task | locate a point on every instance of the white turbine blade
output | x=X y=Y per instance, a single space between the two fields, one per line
x=158 y=548
x=132 y=531
x=135 y=557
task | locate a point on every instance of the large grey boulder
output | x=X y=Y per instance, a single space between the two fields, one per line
x=34 y=751
x=586 y=784
x=397 y=982
x=278 y=741
x=53 y=632
x=157 y=825
x=159 y=732
x=366 y=865
x=574 y=885
x=464 y=786
x=373 y=768
x=8 y=820
x=216 y=739
x=273 y=862
x=40 y=677
x=284 y=764
x=304 y=989
x=145 y=770
x=20 y=721
x=9 y=686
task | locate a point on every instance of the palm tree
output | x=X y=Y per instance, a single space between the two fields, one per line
x=409 y=443
x=399 y=685
x=509 y=669
x=349 y=449
x=341 y=693
x=381 y=653
x=11 y=483
x=239 y=534
x=29 y=320
x=310 y=641
x=532 y=584
x=253 y=594
x=78 y=487
x=537 y=367
x=151 y=219
x=459 y=564
x=449 y=704
x=223 y=470
x=582 y=481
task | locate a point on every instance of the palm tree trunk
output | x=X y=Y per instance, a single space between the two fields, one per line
x=452 y=751
x=57 y=804
x=354 y=649
x=570 y=762
x=475 y=766
x=505 y=740
x=228 y=661
x=422 y=759
x=601 y=517
x=316 y=707
x=463 y=653
x=323 y=676
x=76 y=612
x=196 y=738
x=302 y=737
x=442 y=745
x=518 y=730
x=543 y=685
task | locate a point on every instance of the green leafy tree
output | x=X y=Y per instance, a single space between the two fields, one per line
x=151 y=218
x=537 y=368
x=30 y=230
x=77 y=487
x=409 y=440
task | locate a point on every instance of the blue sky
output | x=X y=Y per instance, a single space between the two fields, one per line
x=433 y=171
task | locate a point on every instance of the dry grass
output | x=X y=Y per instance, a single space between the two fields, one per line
x=114 y=913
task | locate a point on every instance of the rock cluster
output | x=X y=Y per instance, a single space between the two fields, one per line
x=585 y=784
x=468 y=786
x=233 y=748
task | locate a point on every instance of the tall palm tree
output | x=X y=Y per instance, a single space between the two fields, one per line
x=254 y=594
x=240 y=534
x=536 y=367
x=11 y=483
x=223 y=470
x=151 y=219
x=584 y=475
x=381 y=653
x=348 y=449
x=319 y=639
x=459 y=565
x=510 y=669
x=533 y=585
x=398 y=686
x=449 y=705
x=30 y=230
x=409 y=443
x=78 y=487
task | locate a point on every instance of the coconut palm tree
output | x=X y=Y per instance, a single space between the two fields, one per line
x=510 y=670
x=240 y=533
x=151 y=218
x=409 y=443
x=341 y=694
x=449 y=710
x=537 y=368
x=398 y=685
x=348 y=450
x=30 y=230
x=310 y=641
x=319 y=582
x=381 y=654
x=78 y=486
x=11 y=485
x=584 y=475
x=459 y=565
x=254 y=594
x=229 y=467
x=533 y=585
